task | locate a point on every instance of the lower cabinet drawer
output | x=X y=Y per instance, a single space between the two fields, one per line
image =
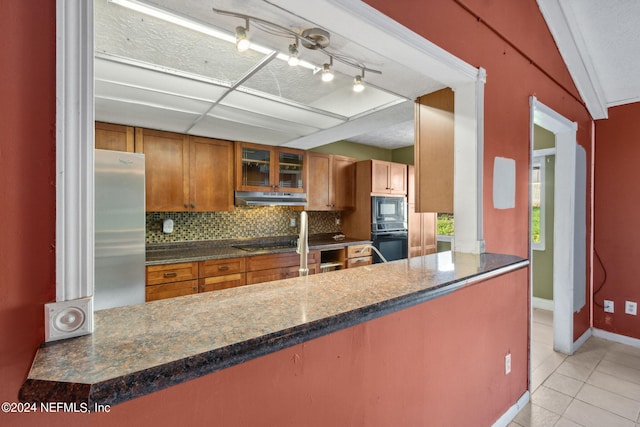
x=217 y=283
x=170 y=273
x=357 y=251
x=269 y=275
x=170 y=290
x=221 y=267
x=359 y=262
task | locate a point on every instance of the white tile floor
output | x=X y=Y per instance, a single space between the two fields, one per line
x=599 y=386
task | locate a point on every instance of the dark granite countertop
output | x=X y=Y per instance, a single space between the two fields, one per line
x=142 y=348
x=219 y=249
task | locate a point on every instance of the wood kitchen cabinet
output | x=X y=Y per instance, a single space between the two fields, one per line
x=114 y=137
x=210 y=175
x=265 y=168
x=222 y=274
x=266 y=268
x=422 y=232
x=331 y=182
x=171 y=280
x=433 y=152
x=186 y=173
x=388 y=178
x=358 y=256
x=422 y=226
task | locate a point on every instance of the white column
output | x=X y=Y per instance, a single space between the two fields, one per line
x=72 y=315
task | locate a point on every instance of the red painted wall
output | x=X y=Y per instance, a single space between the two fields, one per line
x=429 y=378
x=616 y=218
x=512 y=42
x=27 y=184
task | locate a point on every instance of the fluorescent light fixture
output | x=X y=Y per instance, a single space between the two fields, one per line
x=189 y=23
x=174 y=18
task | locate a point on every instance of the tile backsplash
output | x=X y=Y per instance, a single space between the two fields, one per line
x=241 y=222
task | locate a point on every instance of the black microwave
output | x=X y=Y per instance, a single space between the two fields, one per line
x=389 y=211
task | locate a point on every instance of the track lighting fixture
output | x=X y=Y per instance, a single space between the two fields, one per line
x=311 y=38
x=327 y=74
x=358 y=85
x=294 y=55
x=242 y=41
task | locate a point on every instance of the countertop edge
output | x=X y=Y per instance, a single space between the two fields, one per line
x=140 y=383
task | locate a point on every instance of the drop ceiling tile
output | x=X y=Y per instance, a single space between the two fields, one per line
x=110 y=70
x=224 y=129
x=253 y=103
x=346 y=102
x=113 y=111
x=128 y=94
x=250 y=118
x=121 y=31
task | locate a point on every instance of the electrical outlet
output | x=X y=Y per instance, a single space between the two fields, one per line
x=608 y=306
x=631 y=307
x=507 y=364
x=292 y=222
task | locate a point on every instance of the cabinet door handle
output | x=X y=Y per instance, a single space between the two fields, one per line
x=171 y=274
x=223 y=267
x=196 y=289
x=193 y=205
x=186 y=206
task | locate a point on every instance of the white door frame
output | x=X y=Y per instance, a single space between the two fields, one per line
x=564 y=212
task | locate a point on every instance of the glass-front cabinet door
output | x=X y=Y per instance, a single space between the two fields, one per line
x=255 y=167
x=265 y=168
x=290 y=171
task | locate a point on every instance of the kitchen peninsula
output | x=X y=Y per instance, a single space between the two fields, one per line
x=140 y=349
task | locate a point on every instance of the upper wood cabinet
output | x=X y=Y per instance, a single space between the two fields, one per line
x=331 y=182
x=211 y=175
x=388 y=178
x=186 y=173
x=265 y=168
x=114 y=137
x=422 y=226
x=434 y=119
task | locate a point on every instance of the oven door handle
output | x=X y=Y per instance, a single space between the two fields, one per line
x=390 y=235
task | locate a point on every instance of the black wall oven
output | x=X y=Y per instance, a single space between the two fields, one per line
x=389 y=227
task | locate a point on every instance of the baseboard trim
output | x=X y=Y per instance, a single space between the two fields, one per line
x=622 y=339
x=583 y=338
x=511 y=413
x=544 y=304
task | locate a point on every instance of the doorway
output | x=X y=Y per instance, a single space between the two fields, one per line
x=569 y=234
x=542 y=217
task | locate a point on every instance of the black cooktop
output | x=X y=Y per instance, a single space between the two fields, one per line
x=266 y=246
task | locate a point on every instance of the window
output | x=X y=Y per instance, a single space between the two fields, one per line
x=538 y=174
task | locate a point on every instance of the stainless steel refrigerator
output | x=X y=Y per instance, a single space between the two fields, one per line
x=119 y=229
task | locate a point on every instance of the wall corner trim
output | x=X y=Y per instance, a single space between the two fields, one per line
x=74 y=152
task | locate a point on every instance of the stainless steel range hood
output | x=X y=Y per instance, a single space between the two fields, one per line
x=259 y=198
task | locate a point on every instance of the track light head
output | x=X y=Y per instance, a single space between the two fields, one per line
x=294 y=55
x=242 y=41
x=327 y=74
x=358 y=85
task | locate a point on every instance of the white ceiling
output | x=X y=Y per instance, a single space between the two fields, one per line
x=156 y=74
x=600 y=42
